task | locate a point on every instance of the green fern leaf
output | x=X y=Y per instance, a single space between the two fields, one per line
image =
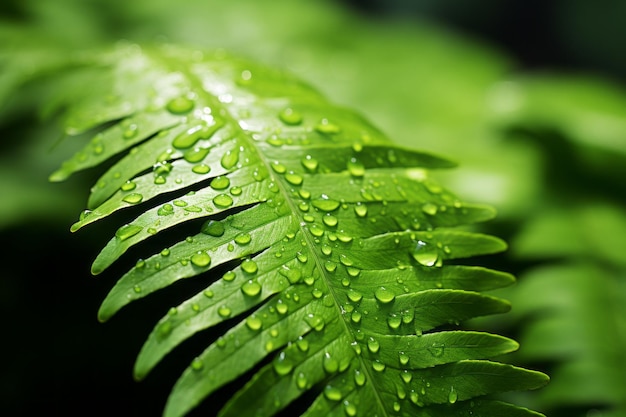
x=329 y=252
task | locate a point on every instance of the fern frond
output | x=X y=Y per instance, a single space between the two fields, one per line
x=330 y=253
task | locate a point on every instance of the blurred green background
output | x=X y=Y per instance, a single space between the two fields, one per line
x=528 y=97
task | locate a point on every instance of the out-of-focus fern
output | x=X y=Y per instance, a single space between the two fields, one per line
x=324 y=247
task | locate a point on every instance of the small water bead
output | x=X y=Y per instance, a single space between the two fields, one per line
x=425 y=254
x=353 y=271
x=208 y=293
x=131 y=131
x=249 y=266
x=332 y=393
x=201 y=259
x=197 y=364
x=282 y=365
x=165 y=210
x=251 y=288
x=345 y=260
x=278 y=167
x=436 y=349
x=292 y=275
x=165 y=252
x=360 y=210
x=290 y=116
x=394 y=321
x=326 y=204
x=452 y=396
x=180 y=105
x=223 y=200
x=378 y=366
x=327 y=128
x=133 y=198
x=128 y=186
x=316 y=230
x=355 y=168
x=429 y=208
x=404 y=358
x=127 y=231
x=243 y=239
x=229 y=276
x=293 y=178
x=213 y=228
x=195 y=155
x=406 y=376
x=224 y=311
x=330 y=364
x=384 y=295
x=235 y=190
x=254 y=323
x=230 y=158
x=309 y=163
x=220 y=183
x=373 y=345
x=282 y=307
x=330 y=266
x=137 y=289
x=330 y=220
x=201 y=169
x=356 y=316
x=302 y=344
x=301 y=380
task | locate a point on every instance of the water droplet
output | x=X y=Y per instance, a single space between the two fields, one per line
x=220 y=183
x=378 y=366
x=325 y=204
x=189 y=137
x=133 y=198
x=196 y=155
x=316 y=230
x=201 y=259
x=251 y=288
x=359 y=378
x=290 y=116
x=429 y=208
x=282 y=307
x=309 y=163
x=373 y=345
x=293 y=275
x=355 y=168
x=249 y=266
x=128 y=186
x=301 y=380
x=235 y=190
x=406 y=376
x=127 y=231
x=223 y=200
x=137 y=289
x=330 y=266
x=180 y=105
x=436 y=349
x=327 y=127
x=394 y=321
x=282 y=366
x=293 y=178
x=230 y=158
x=278 y=167
x=213 y=228
x=384 y=295
x=425 y=254
x=224 y=311
x=356 y=316
x=254 y=323
x=354 y=296
x=165 y=210
x=201 y=169
x=197 y=364
x=345 y=260
x=130 y=132
x=332 y=393
x=330 y=364
x=243 y=239
x=404 y=358
x=452 y=396
x=330 y=220
x=360 y=209
x=229 y=276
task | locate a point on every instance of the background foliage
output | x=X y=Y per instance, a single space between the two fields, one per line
x=528 y=103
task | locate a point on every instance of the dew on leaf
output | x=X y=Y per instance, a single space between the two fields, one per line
x=195 y=155
x=293 y=178
x=243 y=239
x=213 y=228
x=220 y=183
x=189 y=137
x=290 y=116
x=452 y=396
x=378 y=366
x=282 y=307
x=229 y=276
x=325 y=204
x=384 y=295
x=165 y=210
x=436 y=349
x=301 y=380
x=278 y=167
x=316 y=230
x=373 y=345
x=394 y=321
x=329 y=363
x=137 y=289
x=330 y=220
x=360 y=209
x=282 y=365
x=128 y=186
x=133 y=198
x=224 y=311
x=332 y=393
x=328 y=128
x=356 y=316
x=404 y=358
x=201 y=169
x=309 y=163
x=235 y=190
x=254 y=323
x=355 y=167
x=249 y=266
x=197 y=364
x=406 y=376
x=127 y=231
x=354 y=296
x=330 y=266
x=230 y=159
x=429 y=208
x=425 y=254
x=223 y=200
x=251 y=288
x=180 y=105
x=200 y=259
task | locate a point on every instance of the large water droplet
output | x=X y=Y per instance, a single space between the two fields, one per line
x=243 y=239
x=201 y=259
x=133 y=198
x=223 y=200
x=452 y=396
x=425 y=254
x=249 y=266
x=282 y=365
x=429 y=208
x=230 y=158
x=326 y=204
x=360 y=209
x=384 y=295
x=180 y=105
x=127 y=231
x=355 y=168
x=197 y=364
x=213 y=228
x=373 y=345
x=220 y=183
x=251 y=288
x=329 y=363
x=254 y=323
x=327 y=128
x=290 y=116
x=309 y=163
x=301 y=380
x=332 y=393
